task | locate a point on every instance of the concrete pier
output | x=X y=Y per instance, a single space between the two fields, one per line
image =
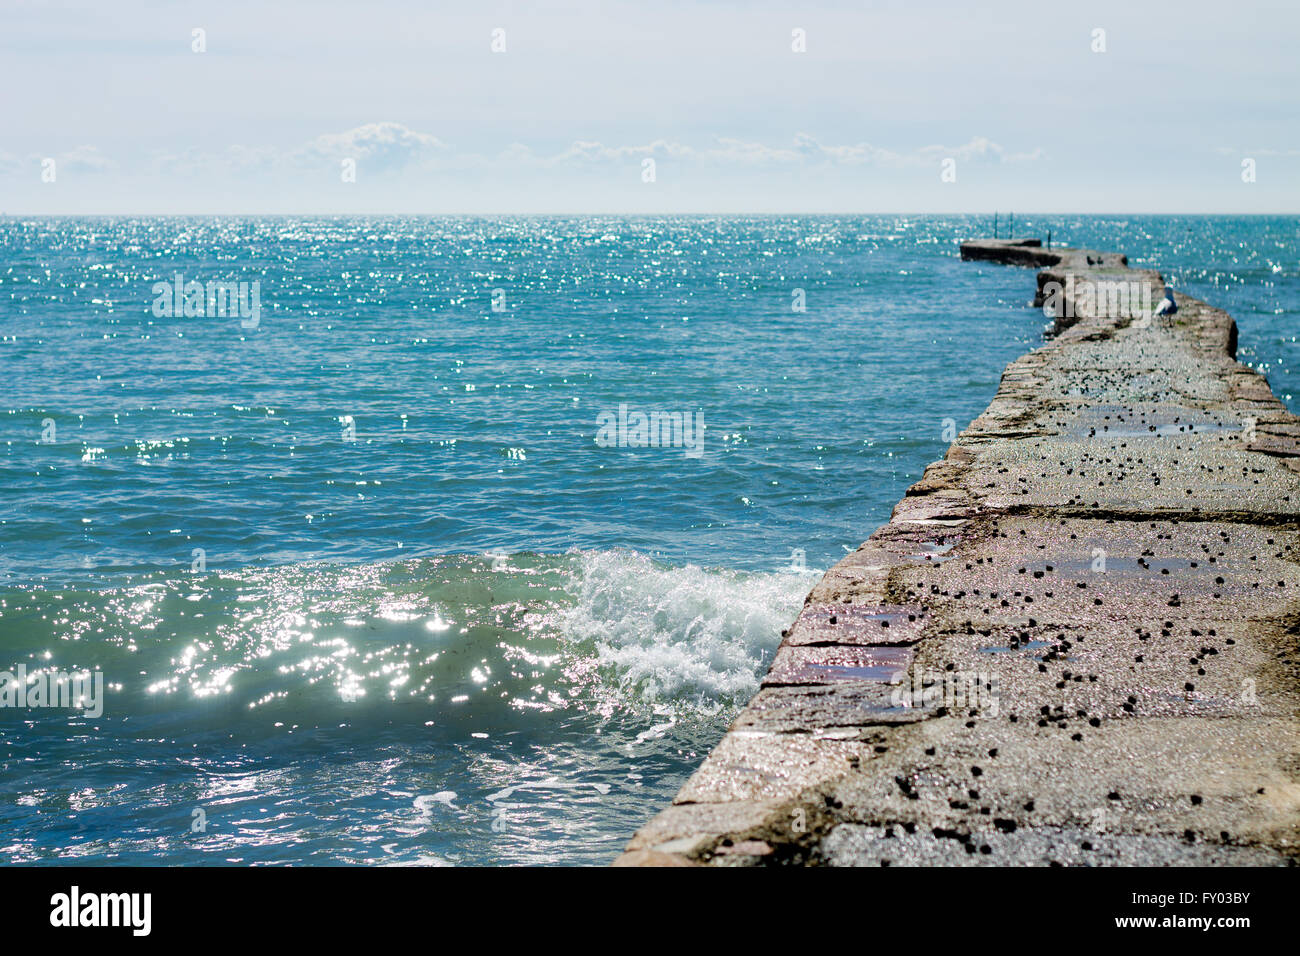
x=1077 y=640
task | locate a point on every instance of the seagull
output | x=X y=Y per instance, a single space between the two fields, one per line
x=1167 y=305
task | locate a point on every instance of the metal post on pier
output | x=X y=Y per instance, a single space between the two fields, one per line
x=995 y=225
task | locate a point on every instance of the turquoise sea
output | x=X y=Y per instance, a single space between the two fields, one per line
x=361 y=582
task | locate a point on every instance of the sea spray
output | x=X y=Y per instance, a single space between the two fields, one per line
x=682 y=634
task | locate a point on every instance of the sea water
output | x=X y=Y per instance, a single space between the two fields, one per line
x=361 y=581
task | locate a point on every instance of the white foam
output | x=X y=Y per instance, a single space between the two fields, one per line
x=681 y=634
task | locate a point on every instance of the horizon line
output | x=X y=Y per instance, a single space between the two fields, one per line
x=106 y=215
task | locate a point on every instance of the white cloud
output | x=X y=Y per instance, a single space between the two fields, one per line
x=854 y=154
x=754 y=154
x=84 y=159
x=79 y=159
x=803 y=149
x=980 y=148
x=589 y=152
x=379 y=145
x=389 y=147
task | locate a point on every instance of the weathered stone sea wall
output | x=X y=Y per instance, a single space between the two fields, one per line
x=1077 y=640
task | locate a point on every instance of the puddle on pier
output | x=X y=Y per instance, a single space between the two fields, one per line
x=1005 y=649
x=932 y=551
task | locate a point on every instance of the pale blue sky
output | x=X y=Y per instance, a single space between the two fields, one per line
x=735 y=120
